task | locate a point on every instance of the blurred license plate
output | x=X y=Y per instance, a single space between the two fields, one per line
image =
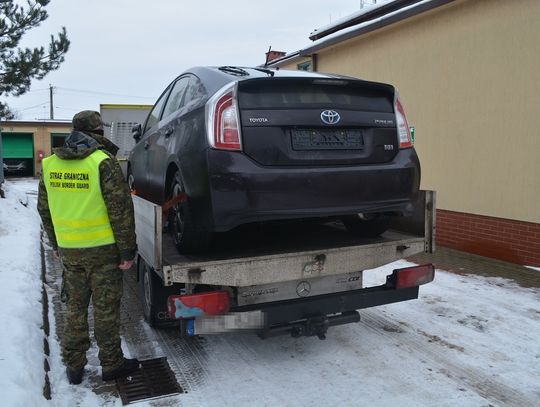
x=327 y=139
x=234 y=321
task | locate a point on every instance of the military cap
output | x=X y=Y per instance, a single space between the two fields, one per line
x=87 y=120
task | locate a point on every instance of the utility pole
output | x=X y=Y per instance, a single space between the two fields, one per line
x=51 y=101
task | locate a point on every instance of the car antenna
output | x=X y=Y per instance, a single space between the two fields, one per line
x=266 y=71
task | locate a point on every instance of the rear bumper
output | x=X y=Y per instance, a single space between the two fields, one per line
x=243 y=191
x=301 y=317
x=308 y=316
x=293 y=310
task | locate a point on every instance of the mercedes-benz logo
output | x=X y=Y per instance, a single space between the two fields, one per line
x=303 y=289
x=330 y=117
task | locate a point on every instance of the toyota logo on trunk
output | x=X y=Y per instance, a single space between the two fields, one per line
x=330 y=117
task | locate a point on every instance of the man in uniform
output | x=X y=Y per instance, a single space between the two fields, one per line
x=87 y=212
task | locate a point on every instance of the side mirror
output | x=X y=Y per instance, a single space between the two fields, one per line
x=136 y=132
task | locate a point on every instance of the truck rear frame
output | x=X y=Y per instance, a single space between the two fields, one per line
x=269 y=278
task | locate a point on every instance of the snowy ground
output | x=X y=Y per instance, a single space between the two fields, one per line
x=467 y=341
x=21 y=337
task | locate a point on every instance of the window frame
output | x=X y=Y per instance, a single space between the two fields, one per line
x=164 y=96
x=181 y=104
x=305 y=66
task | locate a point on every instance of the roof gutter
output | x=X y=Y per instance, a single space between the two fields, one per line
x=415 y=8
x=59 y=122
x=383 y=21
x=293 y=56
x=360 y=18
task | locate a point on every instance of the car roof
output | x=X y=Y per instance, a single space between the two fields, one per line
x=215 y=77
x=221 y=75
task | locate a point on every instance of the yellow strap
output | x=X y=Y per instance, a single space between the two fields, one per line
x=84 y=223
x=82 y=236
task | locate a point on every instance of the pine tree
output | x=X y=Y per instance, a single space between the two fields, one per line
x=18 y=66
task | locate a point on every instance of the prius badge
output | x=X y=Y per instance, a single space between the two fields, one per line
x=330 y=117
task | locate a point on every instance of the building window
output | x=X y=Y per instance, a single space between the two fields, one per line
x=57 y=139
x=304 y=66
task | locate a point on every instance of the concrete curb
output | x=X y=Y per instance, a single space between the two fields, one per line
x=46 y=325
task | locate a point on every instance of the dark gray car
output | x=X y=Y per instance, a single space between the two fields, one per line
x=252 y=144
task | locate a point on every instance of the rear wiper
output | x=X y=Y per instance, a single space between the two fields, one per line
x=233 y=70
x=266 y=71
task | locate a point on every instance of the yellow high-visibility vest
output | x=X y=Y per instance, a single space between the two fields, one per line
x=78 y=211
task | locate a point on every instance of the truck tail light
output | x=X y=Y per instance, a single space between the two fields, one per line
x=405 y=140
x=196 y=305
x=411 y=276
x=223 y=122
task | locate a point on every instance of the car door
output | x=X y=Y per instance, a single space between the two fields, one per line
x=158 y=150
x=189 y=138
x=140 y=158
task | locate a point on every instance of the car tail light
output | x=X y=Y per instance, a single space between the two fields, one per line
x=223 y=123
x=196 y=305
x=412 y=276
x=405 y=140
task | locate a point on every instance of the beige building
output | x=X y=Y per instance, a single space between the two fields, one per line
x=468 y=72
x=31 y=141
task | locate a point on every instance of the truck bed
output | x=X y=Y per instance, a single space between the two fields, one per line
x=281 y=251
x=306 y=257
x=276 y=239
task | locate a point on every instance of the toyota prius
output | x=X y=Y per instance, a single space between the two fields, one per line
x=243 y=145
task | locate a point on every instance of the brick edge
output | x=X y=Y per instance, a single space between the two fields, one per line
x=504 y=239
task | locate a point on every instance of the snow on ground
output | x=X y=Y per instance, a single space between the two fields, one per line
x=21 y=337
x=467 y=341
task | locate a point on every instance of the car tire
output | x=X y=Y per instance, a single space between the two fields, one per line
x=363 y=226
x=153 y=296
x=189 y=236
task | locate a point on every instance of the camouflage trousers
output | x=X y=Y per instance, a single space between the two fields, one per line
x=92 y=273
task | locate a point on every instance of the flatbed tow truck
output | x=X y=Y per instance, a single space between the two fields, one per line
x=296 y=278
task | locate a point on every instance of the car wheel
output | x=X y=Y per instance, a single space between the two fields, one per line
x=366 y=225
x=188 y=235
x=154 y=296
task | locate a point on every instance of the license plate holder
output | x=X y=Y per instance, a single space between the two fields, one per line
x=327 y=139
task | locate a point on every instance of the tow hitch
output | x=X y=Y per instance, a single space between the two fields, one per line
x=313 y=326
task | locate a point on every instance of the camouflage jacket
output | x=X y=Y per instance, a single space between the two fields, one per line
x=113 y=188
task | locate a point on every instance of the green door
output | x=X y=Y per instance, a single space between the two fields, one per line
x=18 y=145
x=18 y=152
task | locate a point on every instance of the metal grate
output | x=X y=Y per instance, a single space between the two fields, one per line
x=121 y=135
x=154 y=379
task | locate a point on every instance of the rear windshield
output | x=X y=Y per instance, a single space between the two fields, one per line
x=289 y=94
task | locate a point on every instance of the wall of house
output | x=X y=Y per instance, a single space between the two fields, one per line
x=469 y=77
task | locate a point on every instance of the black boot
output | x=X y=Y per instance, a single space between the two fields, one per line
x=75 y=375
x=125 y=369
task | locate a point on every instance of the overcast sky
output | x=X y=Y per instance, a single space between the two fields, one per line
x=128 y=51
